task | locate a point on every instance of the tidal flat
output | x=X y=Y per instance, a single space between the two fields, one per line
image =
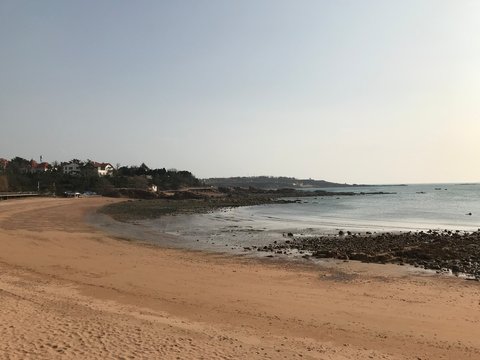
x=314 y=226
x=192 y=202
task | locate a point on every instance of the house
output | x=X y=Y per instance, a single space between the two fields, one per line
x=153 y=188
x=103 y=169
x=42 y=167
x=90 y=168
x=73 y=167
x=35 y=167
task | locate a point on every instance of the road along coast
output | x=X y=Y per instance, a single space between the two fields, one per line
x=69 y=290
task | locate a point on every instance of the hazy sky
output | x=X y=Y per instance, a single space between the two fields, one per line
x=348 y=91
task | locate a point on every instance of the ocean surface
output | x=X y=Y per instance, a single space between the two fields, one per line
x=405 y=208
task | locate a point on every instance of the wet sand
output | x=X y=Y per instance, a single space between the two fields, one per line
x=69 y=290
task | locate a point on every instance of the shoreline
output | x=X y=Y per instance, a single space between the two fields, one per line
x=69 y=290
x=191 y=202
x=134 y=234
x=444 y=252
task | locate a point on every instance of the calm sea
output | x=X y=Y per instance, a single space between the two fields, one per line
x=411 y=207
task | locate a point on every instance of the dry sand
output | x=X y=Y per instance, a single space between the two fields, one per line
x=70 y=291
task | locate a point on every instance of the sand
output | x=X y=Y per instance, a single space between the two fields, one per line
x=68 y=290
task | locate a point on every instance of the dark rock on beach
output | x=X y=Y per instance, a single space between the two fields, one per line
x=455 y=251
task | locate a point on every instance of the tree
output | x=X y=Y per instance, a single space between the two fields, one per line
x=3 y=183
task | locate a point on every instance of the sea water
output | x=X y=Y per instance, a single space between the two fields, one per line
x=406 y=207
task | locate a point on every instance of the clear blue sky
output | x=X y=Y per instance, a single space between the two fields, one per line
x=347 y=91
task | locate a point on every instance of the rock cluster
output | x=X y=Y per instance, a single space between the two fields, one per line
x=454 y=251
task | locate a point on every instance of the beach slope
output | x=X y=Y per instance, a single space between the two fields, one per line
x=68 y=290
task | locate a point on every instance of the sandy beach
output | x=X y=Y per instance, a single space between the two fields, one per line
x=68 y=290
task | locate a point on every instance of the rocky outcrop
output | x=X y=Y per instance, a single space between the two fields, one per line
x=447 y=250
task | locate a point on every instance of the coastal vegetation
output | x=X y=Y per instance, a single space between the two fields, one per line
x=22 y=175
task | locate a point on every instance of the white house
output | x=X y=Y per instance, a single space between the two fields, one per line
x=103 y=168
x=153 y=188
x=73 y=167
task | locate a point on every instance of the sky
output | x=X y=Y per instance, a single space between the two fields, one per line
x=346 y=91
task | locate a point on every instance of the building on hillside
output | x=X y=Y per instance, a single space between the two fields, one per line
x=35 y=167
x=73 y=167
x=153 y=188
x=103 y=169
x=42 y=167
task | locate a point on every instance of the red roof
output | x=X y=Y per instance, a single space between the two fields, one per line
x=43 y=165
x=101 y=165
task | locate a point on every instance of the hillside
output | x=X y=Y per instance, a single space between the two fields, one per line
x=270 y=182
